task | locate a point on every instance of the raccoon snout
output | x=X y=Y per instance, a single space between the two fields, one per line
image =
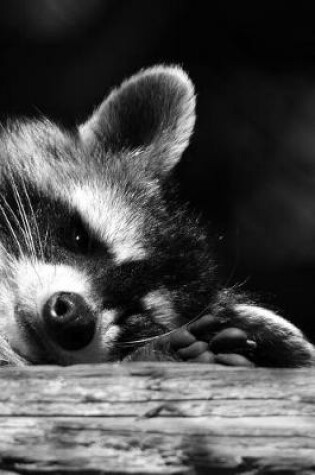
x=69 y=321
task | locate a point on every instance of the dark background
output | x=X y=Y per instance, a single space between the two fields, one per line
x=251 y=166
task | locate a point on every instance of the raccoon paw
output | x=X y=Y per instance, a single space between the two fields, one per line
x=228 y=347
x=248 y=335
x=278 y=342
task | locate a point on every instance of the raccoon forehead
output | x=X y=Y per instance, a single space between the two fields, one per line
x=117 y=223
x=33 y=149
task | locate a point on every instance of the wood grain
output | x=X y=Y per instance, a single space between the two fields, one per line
x=157 y=418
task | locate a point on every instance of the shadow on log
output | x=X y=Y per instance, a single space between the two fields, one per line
x=161 y=418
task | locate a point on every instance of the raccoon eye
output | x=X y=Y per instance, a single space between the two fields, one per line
x=80 y=241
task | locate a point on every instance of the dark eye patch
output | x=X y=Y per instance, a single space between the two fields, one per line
x=55 y=227
x=77 y=238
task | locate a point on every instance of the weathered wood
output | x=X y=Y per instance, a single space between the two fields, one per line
x=157 y=419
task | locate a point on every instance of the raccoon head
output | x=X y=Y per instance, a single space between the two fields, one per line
x=93 y=257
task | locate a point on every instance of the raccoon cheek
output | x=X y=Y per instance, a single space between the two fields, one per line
x=7 y=320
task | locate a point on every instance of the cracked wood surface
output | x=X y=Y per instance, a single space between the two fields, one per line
x=157 y=418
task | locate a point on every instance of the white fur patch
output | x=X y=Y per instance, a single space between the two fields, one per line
x=159 y=303
x=113 y=221
x=34 y=283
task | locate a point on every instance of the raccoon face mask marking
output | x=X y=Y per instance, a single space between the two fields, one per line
x=112 y=219
x=86 y=228
x=96 y=254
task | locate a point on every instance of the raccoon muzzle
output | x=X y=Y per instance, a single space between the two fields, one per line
x=69 y=321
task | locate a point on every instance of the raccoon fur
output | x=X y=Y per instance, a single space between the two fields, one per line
x=98 y=260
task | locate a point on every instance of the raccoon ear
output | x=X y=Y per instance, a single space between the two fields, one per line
x=153 y=110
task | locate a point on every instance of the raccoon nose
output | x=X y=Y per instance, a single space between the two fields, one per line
x=69 y=320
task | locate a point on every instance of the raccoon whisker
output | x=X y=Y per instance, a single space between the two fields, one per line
x=144 y=340
x=24 y=217
x=236 y=260
x=151 y=338
x=34 y=219
x=21 y=224
x=8 y=256
x=44 y=242
x=238 y=285
x=16 y=219
x=13 y=234
x=171 y=332
x=23 y=231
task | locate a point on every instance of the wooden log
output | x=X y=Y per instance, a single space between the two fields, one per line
x=157 y=418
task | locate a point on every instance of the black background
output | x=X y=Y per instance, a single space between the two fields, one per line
x=251 y=166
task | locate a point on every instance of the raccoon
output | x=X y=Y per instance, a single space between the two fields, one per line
x=98 y=260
